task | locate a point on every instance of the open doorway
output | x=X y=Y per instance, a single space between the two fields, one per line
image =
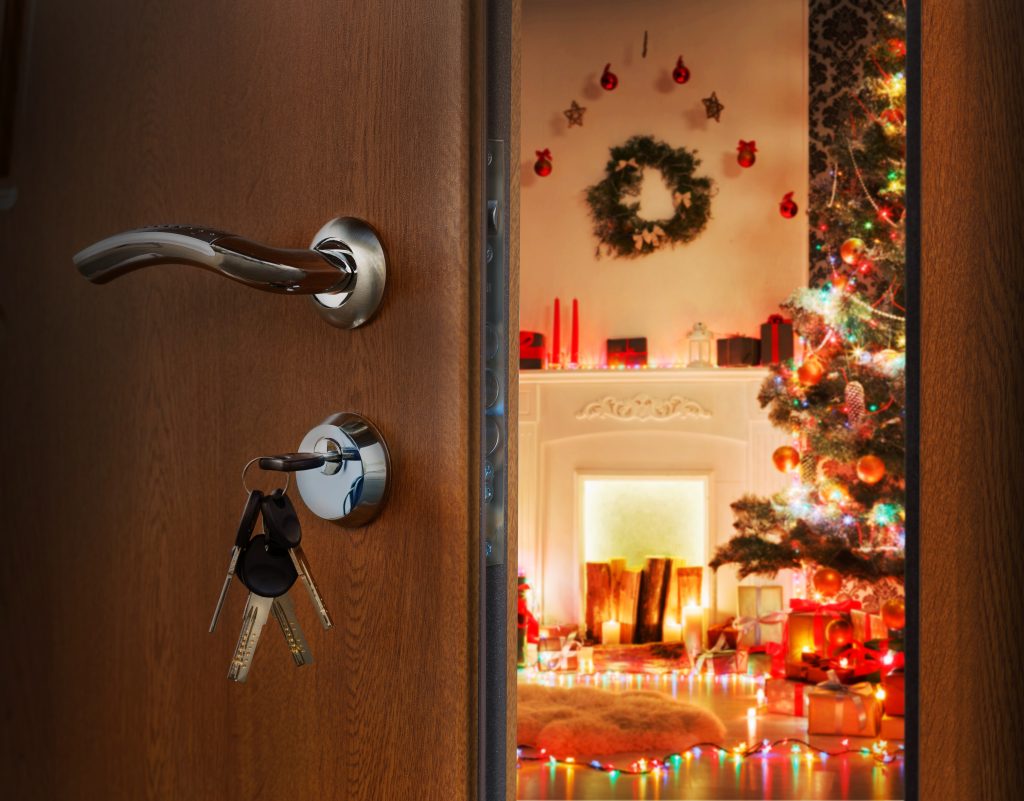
x=711 y=399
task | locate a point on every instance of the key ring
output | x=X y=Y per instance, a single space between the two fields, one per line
x=250 y=463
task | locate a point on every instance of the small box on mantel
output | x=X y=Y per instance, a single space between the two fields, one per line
x=628 y=352
x=739 y=351
x=531 y=350
x=776 y=340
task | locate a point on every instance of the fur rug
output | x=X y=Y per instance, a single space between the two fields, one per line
x=592 y=721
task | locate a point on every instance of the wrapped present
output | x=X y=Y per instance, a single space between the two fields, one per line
x=721 y=660
x=892 y=728
x=867 y=626
x=631 y=352
x=726 y=630
x=805 y=628
x=894 y=685
x=841 y=709
x=739 y=351
x=531 y=350
x=766 y=660
x=761 y=618
x=776 y=340
x=559 y=653
x=786 y=697
x=814 y=668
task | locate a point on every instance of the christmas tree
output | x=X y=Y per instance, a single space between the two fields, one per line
x=844 y=403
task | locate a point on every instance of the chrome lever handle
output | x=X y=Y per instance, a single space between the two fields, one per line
x=344 y=269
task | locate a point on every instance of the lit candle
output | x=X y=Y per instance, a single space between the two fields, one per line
x=672 y=631
x=693 y=628
x=610 y=632
x=556 y=336
x=574 y=352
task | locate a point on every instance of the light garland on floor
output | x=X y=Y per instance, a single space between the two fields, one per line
x=880 y=751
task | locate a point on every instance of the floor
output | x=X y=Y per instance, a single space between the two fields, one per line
x=711 y=776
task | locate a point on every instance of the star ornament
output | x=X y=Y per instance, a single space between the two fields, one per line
x=575 y=114
x=712 y=107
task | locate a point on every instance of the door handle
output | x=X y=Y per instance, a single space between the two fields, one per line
x=344 y=269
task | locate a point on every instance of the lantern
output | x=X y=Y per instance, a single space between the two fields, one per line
x=700 y=339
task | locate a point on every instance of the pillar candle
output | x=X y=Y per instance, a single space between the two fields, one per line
x=610 y=632
x=574 y=351
x=556 y=336
x=671 y=631
x=693 y=628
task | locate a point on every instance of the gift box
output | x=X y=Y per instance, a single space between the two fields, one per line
x=786 y=697
x=805 y=632
x=867 y=627
x=814 y=669
x=766 y=660
x=776 y=340
x=759 y=663
x=531 y=350
x=721 y=660
x=558 y=653
x=761 y=618
x=725 y=633
x=841 y=709
x=631 y=352
x=739 y=351
x=892 y=728
x=894 y=685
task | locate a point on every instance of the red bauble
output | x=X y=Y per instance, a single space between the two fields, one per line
x=609 y=80
x=811 y=371
x=893 y=116
x=827 y=581
x=745 y=153
x=839 y=632
x=897 y=47
x=680 y=74
x=788 y=207
x=543 y=164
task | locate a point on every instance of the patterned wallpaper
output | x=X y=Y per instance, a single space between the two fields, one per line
x=841 y=33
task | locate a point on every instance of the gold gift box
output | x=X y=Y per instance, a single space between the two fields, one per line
x=853 y=710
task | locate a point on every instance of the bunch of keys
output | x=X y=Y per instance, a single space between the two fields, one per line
x=268 y=565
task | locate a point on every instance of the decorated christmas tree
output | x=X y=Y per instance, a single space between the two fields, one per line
x=844 y=403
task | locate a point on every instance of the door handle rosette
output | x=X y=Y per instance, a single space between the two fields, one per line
x=344 y=269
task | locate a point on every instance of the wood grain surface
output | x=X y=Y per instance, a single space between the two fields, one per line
x=129 y=409
x=972 y=352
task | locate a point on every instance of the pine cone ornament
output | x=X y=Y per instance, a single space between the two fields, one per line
x=808 y=468
x=855 y=403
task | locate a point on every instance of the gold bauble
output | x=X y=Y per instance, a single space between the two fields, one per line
x=894 y=614
x=786 y=459
x=839 y=632
x=828 y=582
x=811 y=371
x=852 y=250
x=870 y=469
x=834 y=492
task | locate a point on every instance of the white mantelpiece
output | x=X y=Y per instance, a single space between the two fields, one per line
x=573 y=423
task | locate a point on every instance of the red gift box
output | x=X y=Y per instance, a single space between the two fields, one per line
x=894 y=685
x=531 y=350
x=776 y=340
x=786 y=697
x=630 y=352
x=805 y=629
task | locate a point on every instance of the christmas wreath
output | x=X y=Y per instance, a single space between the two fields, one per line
x=617 y=223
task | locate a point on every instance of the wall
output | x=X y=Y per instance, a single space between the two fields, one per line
x=753 y=53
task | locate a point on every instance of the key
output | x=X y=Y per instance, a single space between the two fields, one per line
x=250 y=514
x=283 y=529
x=268 y=574
x=284 y=611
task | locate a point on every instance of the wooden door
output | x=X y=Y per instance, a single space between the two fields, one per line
x=129 y=409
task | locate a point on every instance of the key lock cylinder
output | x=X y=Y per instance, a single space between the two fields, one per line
x=341 y=472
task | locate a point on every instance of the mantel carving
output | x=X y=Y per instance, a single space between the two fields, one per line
x=643 y=407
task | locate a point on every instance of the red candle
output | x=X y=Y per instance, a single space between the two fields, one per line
x=556 y=336
x=575 y=349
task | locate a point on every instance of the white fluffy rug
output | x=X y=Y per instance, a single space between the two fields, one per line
x=591 y=721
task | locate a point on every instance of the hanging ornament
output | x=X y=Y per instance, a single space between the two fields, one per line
x=575 y=114
x=788 y=207
x=855 y=403
x=609 y=80
x=839 y=632
x=808 y=467
x=894 y=614
x=745 y=153
x=897 y=47
x=681 y=73
x=786 y=459
x=542 y=166
x=828 y=582
x=852 y=250
x=811 y=371
x=712 y=107
x=870 y=469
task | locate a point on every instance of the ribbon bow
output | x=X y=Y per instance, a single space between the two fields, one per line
x=745 y=624
x=718 y=649
x=839 y=691
x=777 y=319
x=571 y=644
x=544 y=154
x=750 y=146
x=650 y=236
x=682 y=199
x=623 y=164
x=807 y=605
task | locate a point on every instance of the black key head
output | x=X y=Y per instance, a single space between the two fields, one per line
x=292 y=462
x=250 y=515
x=266 y=569
x=280 y=520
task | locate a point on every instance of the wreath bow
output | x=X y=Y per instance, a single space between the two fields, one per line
x=624 y=163
x=650 y=236
x=682 y=199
